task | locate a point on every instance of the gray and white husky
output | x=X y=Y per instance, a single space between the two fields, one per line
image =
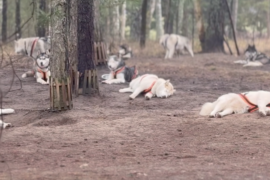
x=120 y=73
x=32 y=46
x=124 y=51
x=174 y=42
x=5 y=111
x=41 y=69
x=253 y=57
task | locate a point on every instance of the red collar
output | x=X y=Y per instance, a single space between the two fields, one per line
x=43 y=74
x=118 y=71
x=33 y=46
x=148 y=89
x=252 y=107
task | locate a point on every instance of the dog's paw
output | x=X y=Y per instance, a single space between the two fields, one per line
x=6 y=125
x=24 y=76
x=106 y=82
x=218 y=115
x=121 y=90
x=262 y=113
x=147 y=98
x=131 y=98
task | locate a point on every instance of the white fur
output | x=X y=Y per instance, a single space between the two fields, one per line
x=232 y=103
x=41 y=64
x=24 y=45
x=113 y=63
x=5 y=111
x=175 y=42
x=161 y=88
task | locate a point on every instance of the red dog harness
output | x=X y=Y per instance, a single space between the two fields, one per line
x=252 y=107
x=43 y=74
x=33 y=46
x=148 y=89
x=122 y=69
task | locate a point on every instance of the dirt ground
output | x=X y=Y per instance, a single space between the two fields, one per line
x=111 y=137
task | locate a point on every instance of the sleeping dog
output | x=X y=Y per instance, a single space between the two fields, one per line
x=238 y=104
x=120 y=73
x=41 y=69
x=5 y=111
x=151 y=86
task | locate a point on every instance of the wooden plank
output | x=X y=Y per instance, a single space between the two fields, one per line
x=77 y=83
x=51 y=93
x=99 y=52
x=64 y=94
x=84 y=82
x=70 y=105
x=89 y=82
x=57 y=94
x=95 y=52
x=103 y=53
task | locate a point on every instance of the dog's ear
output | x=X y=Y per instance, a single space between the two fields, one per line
x=168 y=81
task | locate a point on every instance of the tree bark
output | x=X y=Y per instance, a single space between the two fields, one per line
x=41 y=25
x=18 y=20
x=168 y=17
x=59 y=56
x=268 y=20
x=235 y=15
x=159 y=21
x=214 y=35
x=150 y=11
x=4 y=21
x=115 y=23
x=199 y=20
x=180 y=16
x=143 y=23
x=123 y=21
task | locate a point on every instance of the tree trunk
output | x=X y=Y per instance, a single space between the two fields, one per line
x=150 y=11
x=199 y=20
x=123 y=21
x=18 y=20
x=143 y=23
x=159 y=21
x=85 y=34
x=214 y=35
x=268 y=20
x=180 y=16
x=41 y=25
x=4 y=21
x=60 y=91
x=73 y=39
x=115 y=23
x=235 y=15
x=168 y=17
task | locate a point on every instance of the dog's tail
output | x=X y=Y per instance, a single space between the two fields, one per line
x=207 y=108
x=6 y=111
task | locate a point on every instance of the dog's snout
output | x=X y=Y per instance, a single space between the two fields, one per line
x=41 y=63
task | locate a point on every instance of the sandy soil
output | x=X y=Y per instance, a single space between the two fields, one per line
x=111 y=137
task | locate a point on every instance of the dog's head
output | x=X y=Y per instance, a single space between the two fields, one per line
x=125 y=51
x=250 y=51
x=115 y=62
x=165 y=90
x=43 y=60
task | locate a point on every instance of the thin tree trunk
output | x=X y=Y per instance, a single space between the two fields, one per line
x=115 y=25
x=73 y=39
x=41 y=25
x=199 y=20
x=143 y=23
x=168 y=17
x=180 y=16
x=159 y=22
x=233 y=28
x=150 y=11
x=235 y=15
x=123 y=21
x=268 y=20
x=18 y=19
x=4 y=21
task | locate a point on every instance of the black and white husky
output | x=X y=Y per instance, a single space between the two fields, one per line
x=32 y=46
x=5 y=111
x=123 y=51
x=253 y=57
x=120 y=73
x=41 y=69
x=174 y=42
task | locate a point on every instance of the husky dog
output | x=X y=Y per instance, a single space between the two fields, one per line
x=5 y=111
x=238 y=103
x=120 y=73
x=151 y=85
x=253 y=57
x=31 y=46
x=175 y=42
x=41 y=69
x=123 y=51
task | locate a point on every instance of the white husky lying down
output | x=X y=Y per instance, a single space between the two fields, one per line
x=238 y=103
x=5 y=111
x=151 y=85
